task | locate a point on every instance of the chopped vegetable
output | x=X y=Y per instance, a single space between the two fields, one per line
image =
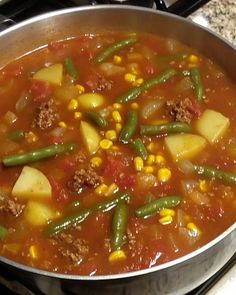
x=184 y=146
x=90 y=100
x=70 y=68
x=114 y=48
x=32 y=184
x=16 y=135
x=97 y=119
x=129 y=127
x=119 y=225
x=38 y=154
x=212 y=125
x=90 y=137
x=52 y=74
x=38 y=214
x=179 y=56
x=173 y=127
x=139 y=148
x=160 y=203
x=197 y=82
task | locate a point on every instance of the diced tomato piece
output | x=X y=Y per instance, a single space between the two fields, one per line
x=195 y=108
x=40 y=90
x=58 y=191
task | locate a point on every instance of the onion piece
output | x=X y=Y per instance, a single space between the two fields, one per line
x=180 y=218
x=145 y=181
x=173 y=243
x=109 y=69
x=22 y=102
x=186 y=166
x=187 y=237
x=185 y=84
x=199 y=198
x=151 y=107
x=188 y=185
x=10 y=118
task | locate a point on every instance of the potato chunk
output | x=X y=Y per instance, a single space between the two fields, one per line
x=37 y=213
x=90 y=100
x=212 y=125
x=90 y=137
x=184 y=146
x=32 y=184
x=52 y=74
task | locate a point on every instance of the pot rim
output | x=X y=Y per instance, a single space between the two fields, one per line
x=146 y=271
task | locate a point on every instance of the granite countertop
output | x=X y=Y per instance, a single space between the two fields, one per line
x=220 y=16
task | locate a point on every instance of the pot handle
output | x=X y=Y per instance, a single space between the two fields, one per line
x=5 y=22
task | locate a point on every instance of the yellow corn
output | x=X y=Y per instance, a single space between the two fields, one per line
x=133 y=68
x=117 y=256
x=73 y=105
x=193 y=59
x=112 y=188
x=165 y=211
x=138 y=163
x=118 y=127
x=62 y=124
x=117 y=59
x=193 y=229
x=31 y=137
x=111 y=134
x=117 y=106
x=105 y=144
x=203 y=186
x=134 y=105
x=129 y=77
x=96 y=161
x=80 y=88
x=77 y=115
x=150 y=159
x=163 y=174
x=148 y=169
x=160 y=159
x=115 y=148
x=101 y=189
x=166 y=219
x=33 y=252
x=116 y=116
x=138 y=82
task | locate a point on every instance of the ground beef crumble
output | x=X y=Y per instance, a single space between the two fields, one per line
x=84 y=177
x=97 y=82
x=46 y=114
x=180 y=111
x=10 y=206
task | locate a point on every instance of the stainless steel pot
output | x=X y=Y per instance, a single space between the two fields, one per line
x=178 y=276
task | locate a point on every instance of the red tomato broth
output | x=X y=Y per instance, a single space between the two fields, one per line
x=85 y=248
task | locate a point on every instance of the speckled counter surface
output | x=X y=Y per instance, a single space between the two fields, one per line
x=220 y=16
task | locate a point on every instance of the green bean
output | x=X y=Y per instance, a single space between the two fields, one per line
x=70 y=68
x=140 y=148
x=16 y=135
x=154 y=206
x=78 y=217
x=172 y=57
x=97 y=119
x=38 y=154
x=209 y=172
x=197 y=82
x=129 y=127
x=173 y=127
x=3 y=232
x=115 y=47
x=133 y=93
x=119 y=225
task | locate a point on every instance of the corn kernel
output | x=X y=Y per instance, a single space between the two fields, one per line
x=160 y=159
x=150 y=159
x=101 y=189
x=117 y=256
x=134 y=105
x=203 y=186
x=96 y=161
x=111 y=134
x=105 y=144
x=80 y=88
x=134 y=68
x=148 y=169
x=118 y=127
x=193 y=59
x=73 y=105
x=138 y=163
x=130 y=78
x=193 y=229
x=117 y=59
x=115 y=148
x=33 y=252
x=62 y=124
x=112 y=188
x=163 y=174
x=138 y=82
x=77 y=115
x=116 y=116
x=167 y=211
x=117 y=106
x=166 y=219
x=31 y=137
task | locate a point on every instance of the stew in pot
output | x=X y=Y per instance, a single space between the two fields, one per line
x=117 y=154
